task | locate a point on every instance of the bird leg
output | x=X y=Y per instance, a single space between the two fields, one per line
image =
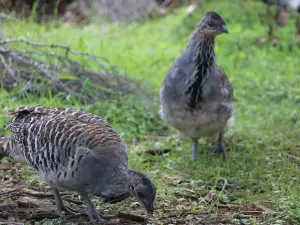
x=270 y=21
x=194 y=149
x=91 y=211
x=220 y=146
x=60 y=205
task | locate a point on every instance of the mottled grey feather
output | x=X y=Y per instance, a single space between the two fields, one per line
x=196 y=96
x=74 y=150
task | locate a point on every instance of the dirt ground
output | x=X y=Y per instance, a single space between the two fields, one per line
x=33 y=204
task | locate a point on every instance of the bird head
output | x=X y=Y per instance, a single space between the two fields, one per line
x=212 y=24
x=143 y=189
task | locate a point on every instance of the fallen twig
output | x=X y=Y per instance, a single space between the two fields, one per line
x=13 y=223
x=5 y=166
x=62 y=71
x=66 y=48
x=294 y=157
x=73 y=201
x=251 y=212
x=8 y=68
x=187 y=196
x=9 y=191
x=40 y=194
x=42 y=215
x=132 y=217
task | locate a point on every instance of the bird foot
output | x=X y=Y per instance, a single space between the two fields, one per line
x=95 y=216
x=217 y=150
x=71 y=212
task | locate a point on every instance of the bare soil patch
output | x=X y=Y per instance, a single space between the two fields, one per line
x=20 y=203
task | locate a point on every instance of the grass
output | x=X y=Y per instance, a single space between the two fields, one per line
x=267 y=95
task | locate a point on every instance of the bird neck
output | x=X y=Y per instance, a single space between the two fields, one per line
x=203 y=48
x=203 y=56
x=118 y=184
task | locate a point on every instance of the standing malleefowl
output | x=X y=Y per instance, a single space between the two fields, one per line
x=196 y=96
x=76 y=151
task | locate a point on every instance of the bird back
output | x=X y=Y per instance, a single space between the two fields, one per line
x=49 y=137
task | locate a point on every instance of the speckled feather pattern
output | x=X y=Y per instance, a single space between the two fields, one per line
x=77 y=151
x=49 y=138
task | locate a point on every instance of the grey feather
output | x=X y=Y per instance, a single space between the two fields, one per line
x=196 y=96
x=77 y=151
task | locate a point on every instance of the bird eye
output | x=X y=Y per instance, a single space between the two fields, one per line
x=210 y=24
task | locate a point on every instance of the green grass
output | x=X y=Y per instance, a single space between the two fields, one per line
x=267 y=94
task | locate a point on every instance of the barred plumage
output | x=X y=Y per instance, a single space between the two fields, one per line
x=77 y=151
x=50 y=134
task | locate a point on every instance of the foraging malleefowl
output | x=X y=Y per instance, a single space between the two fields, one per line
x=196 y=96
x=76 y=151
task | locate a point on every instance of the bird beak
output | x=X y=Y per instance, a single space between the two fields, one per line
x=149 y=208
x=223 y=29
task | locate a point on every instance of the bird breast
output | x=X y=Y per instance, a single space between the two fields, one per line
x=207 y=120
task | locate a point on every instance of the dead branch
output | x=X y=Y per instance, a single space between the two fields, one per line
x=40 y=194
x=132 y=217
x=73 y=201
x=187 y=196
x=9 y=70
x=66 y=48
x=12 y=223
x=61 y=69
x=293 y=157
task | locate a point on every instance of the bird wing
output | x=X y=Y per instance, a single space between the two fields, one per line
x=225 y=84
x=79 y=115
x=56 y=132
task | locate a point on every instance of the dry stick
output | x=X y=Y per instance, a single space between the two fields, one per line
x=67 y=48
x=13 y=223
x=9 y=191
x=42 y=215
x=40 y=194
x=9 y=70
x=131 y=217
x=52 y=76
x=57 y=67
x=59 y=57
x=187 y=196
x=73 y=201
x=74 y=67
x=93 y=58
x=26 y=52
